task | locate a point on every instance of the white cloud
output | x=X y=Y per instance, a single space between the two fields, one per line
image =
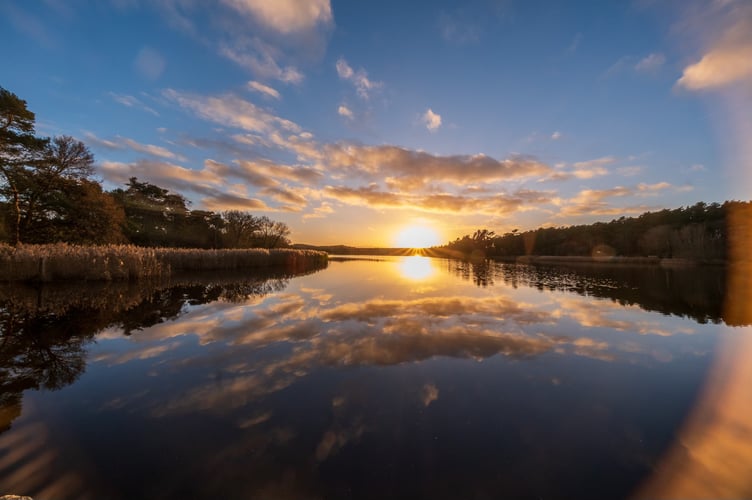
x=344 y=70
x=363 y=85
x=261 y=59
x=582 y=169
x=320 y=212
x=132 y=102
x=432 y=120
x=286 y=16
x=410 y=169
x=231 y=110
x=651 y=62
x=263 y=89
x=151 y=149
x=345 y=111
x=556 y=135
x=728 y=59
x=127 y=143
x=630 y=171
x=594 y=201
x=598 y=162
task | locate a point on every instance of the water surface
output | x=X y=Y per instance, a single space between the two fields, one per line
x=374 y=378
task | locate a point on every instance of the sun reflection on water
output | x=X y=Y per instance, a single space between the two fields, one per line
x=416 y=268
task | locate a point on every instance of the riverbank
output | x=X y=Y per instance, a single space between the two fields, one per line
x=46 y=263
x=614 y=260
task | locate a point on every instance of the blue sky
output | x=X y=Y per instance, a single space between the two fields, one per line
x=351 y=120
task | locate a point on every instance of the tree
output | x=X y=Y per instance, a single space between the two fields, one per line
x=239 y=229
x=58 y=175
x=202 y=229
x=154 y=216
x=271 y=234
x=19 y=150
x=78 y=211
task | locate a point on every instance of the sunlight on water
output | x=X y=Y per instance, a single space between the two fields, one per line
x=416 y=268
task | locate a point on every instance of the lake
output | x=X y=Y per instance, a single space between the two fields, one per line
x=376 y=377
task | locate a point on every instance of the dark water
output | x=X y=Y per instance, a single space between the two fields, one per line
x=380 y=378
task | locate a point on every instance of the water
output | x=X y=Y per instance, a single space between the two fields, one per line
x=374 y=378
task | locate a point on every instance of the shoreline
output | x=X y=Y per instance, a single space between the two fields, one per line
x=621 y=261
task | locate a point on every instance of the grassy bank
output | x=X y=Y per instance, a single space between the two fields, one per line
x=47 y=263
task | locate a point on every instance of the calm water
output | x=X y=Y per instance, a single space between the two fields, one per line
x=373 y=378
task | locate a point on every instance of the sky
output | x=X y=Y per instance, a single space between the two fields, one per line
x=353 y=120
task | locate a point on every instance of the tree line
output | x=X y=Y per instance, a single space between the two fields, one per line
x=48 y=194
x=698 y=232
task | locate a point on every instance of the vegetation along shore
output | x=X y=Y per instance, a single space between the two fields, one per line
x=62 y=261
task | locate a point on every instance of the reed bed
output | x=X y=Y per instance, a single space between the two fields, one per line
x=46 y=263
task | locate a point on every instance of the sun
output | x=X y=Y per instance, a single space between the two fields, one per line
x=417 y=236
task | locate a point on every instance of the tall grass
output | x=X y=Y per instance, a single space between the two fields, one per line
x=61 y=261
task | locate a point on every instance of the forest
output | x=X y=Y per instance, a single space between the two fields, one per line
x=48 y=194
x=699 y=232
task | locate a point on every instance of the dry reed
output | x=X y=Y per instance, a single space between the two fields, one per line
x=61 y=261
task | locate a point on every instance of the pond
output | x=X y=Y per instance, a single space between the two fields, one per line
x=377 y=377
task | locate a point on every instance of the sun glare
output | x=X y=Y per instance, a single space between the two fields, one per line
x=417 y=237
x=416 y=268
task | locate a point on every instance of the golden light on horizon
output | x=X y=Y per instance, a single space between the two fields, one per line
x=417 y=236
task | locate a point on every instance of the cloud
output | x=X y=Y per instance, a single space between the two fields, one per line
x=131 y=102
x=263 y=89
x=650 y=63
x=151 y=149
x=421 y=168
x=272 y=170
x=432 y=120
x=629 y=171
x=149 y=63
x=344 y=70
x=556 y=136
x=363 y=85
x=231 y=110
x=442 y=203
x=320 y=212
x=592 y=168
x=284 y=195
x=168 y=175
x=127 y=143
x=345 y=111
x=261 y=59
x=286 y=16
x=228 y=201
x=28 y=25
x=728 y=60
x=593 y=201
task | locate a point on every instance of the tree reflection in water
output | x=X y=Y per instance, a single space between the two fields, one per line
x=697 y=293
x=44 y=330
